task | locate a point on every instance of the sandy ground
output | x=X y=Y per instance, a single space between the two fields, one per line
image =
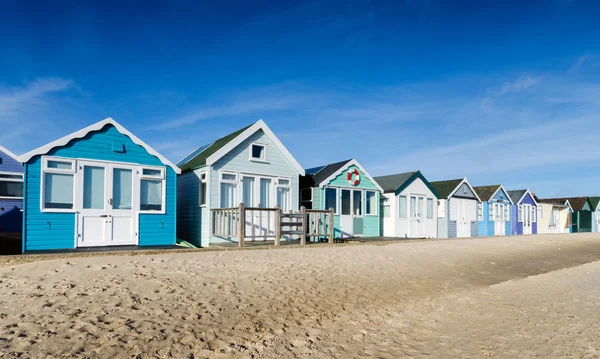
x=513 y=297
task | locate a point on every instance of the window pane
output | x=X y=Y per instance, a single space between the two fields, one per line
x=331 y=199
x=228 y=177
x=58 y=190
x=283 y=198
x=122 y=188
x=385 y=211
x=346 y=202
x=11 y=177
x=402 y=207
x=228 y=195
x=151 y=172
x=62 y=165
x=248 y=191
x=306 y=194
x=151 y=195
x=413 y=205
x=265 y=193
x=284 y=182
x=420 y=208
x=357 y=203
x=11 y=189
x=429 y=208
x=202 y=193
x=258 y=151
x=371 y=199
x=93 y=187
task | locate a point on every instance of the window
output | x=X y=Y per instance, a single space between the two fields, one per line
x=533 y=214
x=283 y=199
x=413 y=205
x=227 y=190
x=357 y=203
x=11 y=185
x=420 y=207
x=57 y=184
x=385 y=207
x=553 y=219
x=441 y=208
x=507 y=212
x=248 y=195
x=202 y=189
x=402 y=206
x=152 y=190
x=429 y=208
x=284 y=182
x=371 y=203
x=331 y=199
x=520 y=213
x=346 y=209
x=492 y=207
x=480 y=211
x=258 y=152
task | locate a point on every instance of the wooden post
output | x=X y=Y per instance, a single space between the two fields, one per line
x=277 y=226
x=242 y=225
x=330 y=239
x=303 y=237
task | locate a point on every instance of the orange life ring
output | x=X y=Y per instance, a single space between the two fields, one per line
x=356 y=180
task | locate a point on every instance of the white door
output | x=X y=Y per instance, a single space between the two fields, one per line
x=499 y=219
x=417 y=216
x=266 y=219
x=346 y=220
x=107 y=215
x=465 y=215
x=527 y=208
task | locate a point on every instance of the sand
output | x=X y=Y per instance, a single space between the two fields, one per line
x=512 y=297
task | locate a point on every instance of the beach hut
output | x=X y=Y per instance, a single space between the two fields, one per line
x=553 y=216
x=581 y=212
x=249 y=166
x=457 y=208
x=11 y=193
x=595 y=203
x=97 y=187
x=408 y=206
x=493 y=212
x=352 y=193
x=524 y=213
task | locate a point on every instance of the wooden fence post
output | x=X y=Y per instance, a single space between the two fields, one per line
x=242 y=225
x=303 y=237
x=331 y=232
x=277 y=226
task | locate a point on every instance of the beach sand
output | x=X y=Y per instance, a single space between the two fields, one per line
x=511 y=297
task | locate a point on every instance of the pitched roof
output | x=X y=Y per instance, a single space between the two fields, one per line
x=594 y=202
x=316 y=175
x=207 y=155
x=576 y=203
x=486 y=192
x=445 y=188
x=516 y=195
x=9 y=154
x=96 y=127
x=198 y=157
x=391 y=183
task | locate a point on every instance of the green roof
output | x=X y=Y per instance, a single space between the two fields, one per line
x=486 y=192
x=398 y=182
x=199 y=160
x=444 y=188
x=594 y=202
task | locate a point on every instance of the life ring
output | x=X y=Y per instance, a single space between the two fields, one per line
x=356 y=180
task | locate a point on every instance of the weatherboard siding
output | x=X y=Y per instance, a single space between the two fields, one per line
x=238 y=161
x=191 y=218
x=48 y=231
x=400 y=227
x=10 y=209
x=464 y=191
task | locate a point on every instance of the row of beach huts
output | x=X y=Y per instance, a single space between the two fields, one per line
x=103 y=186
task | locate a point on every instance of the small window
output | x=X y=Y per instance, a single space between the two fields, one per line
x=331 y=199
x=429 y=208
x=480 y=211
x=413 y=206
x=507 y=212
x=533 y=214
x=283 y=198
x=60 y=165
x=520 y=213
x=441 y=208
x=258 y=152
x=371 y=204
x=203 y=189
x=491 y=210
x=11 y=185
x=58 y=184
x=402 y=206
x=228 y=177
x=151 y=172
x=283 y=182
x=152 y=187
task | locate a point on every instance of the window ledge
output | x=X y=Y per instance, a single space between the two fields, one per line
x=258 y=160
x=151 y=212
x=59 y=211
x=5 y=197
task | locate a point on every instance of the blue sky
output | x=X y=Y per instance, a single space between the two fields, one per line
x=499 y=92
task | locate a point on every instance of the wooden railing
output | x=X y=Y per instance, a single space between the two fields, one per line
x=244 y=222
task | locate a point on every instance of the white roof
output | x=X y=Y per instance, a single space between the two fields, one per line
x=96 y=127
x=10 y=154
x=259 y=125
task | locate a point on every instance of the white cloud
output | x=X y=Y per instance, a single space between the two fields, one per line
x=520 y=84
x=14 y=100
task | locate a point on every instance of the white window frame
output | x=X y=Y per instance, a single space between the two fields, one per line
x=492 y=211
x=405 y=207
x=480 y=211
x=14 y=180
x=254 y=159
x=429 y=201
x=45 y=169
x=520 y=213
x=278 y=185
x=161 y=178
x=533 y=214
x=234 y=181
x=506 y=212
x=376 y=210
x=203 y=177
x=337 y=199
x=384 y=203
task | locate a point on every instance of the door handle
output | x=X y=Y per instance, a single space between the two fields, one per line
x=103 y=215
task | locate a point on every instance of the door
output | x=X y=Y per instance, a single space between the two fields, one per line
x=346 y=219
x=417 y=216
x=527 y=208
x=499 y=219
x=107 y=216
x=266 y=219
x=464 y=217
x=358 y=224
x=259 y=192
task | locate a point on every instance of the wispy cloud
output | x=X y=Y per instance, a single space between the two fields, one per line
x=12 y=100
x=520 y=84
